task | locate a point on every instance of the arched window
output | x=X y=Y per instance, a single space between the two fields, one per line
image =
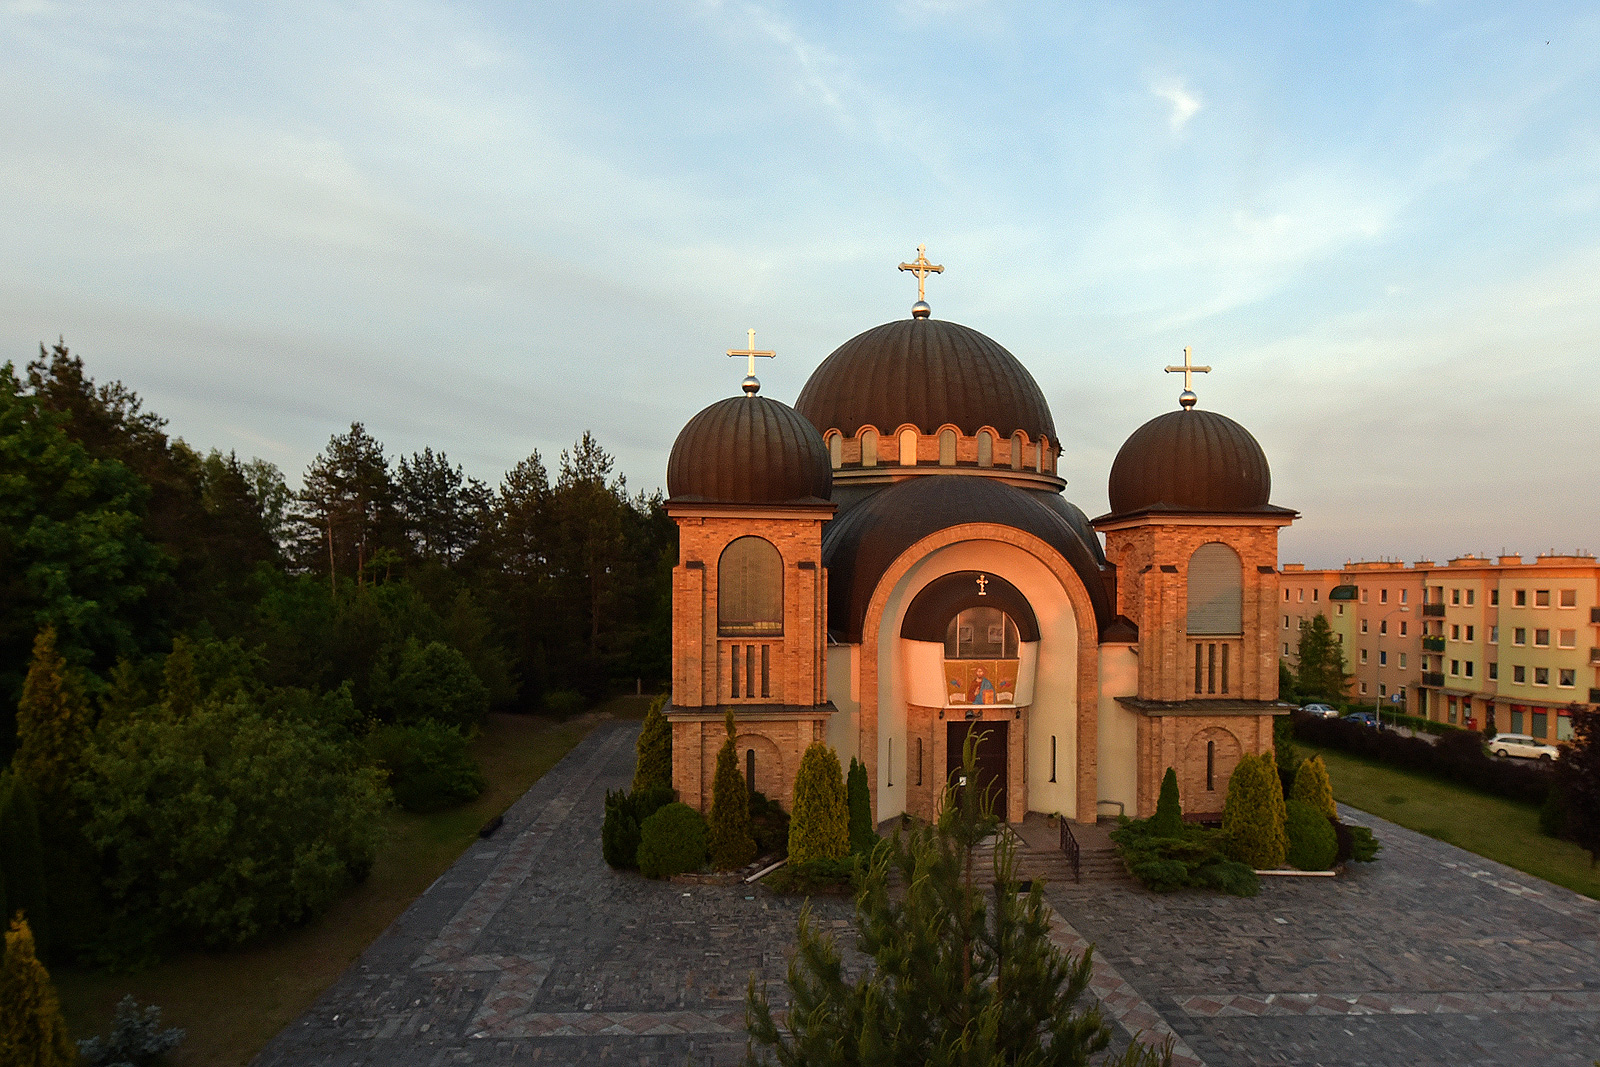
x=869 y=448
x=836 y=449
x=908 y=448
x=1216 y=597
x=947 y=448
x=1038 y=455
x=1016 y=451
x=750 y=589
x=985 y=448
x=981 y=633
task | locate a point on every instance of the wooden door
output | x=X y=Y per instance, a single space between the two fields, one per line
x=991 y=757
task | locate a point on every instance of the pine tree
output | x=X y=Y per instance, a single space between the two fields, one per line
x=1253 y=816
x=654 y=767
x=53 y=729
x=950 y=979
x=1168 y=820
x=22 y=859
x=732 y=845
x=819 y=820
x=32 y=1031
x=1322 y=672
x=863 y=836
x=1312 y=786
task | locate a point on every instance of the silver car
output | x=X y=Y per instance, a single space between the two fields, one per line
x=1523 y=745
x=1321 y=711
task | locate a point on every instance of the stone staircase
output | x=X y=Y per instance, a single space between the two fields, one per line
x=1039 y=853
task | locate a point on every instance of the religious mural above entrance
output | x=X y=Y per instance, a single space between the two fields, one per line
x=980 y=681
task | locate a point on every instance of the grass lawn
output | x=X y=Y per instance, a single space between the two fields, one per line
x=1499 y=829
x=232 y=1003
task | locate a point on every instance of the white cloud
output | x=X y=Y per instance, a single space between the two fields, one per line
x=1185 y=104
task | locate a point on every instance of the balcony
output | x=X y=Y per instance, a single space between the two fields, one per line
x=1436 y=680
x=1433 y=644
x=1435 y=611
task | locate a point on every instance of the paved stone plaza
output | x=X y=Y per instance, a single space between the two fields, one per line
x=531 y=950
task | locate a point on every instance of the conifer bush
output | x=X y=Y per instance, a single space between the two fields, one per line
x=863 y=836
x=1313 y=843
x=137 y=1039
x=1312 y=786
x=672 y=841
x=53 y=728
x=1168 y=819
x=619 y=834
x=819 y=818
x=1252 y=817
x=654 y=765
x=22 y=860
x=32 y=1031
x=732 y=845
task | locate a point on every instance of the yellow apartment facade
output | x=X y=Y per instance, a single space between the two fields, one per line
x=1473 y=642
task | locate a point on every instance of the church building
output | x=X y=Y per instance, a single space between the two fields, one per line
x=891 y=563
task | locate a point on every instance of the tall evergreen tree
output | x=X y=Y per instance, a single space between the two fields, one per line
x=346 y=508
x=732 y=845
x=863 y=835
x=442 y=510
x=32 y=1031
x=819 y=818
x=1322 y=666
x=53 y=727
x=653 y=768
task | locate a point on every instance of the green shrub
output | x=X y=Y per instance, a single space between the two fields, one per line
x=32 y=1031
x=619 y=834
x=732 y=845
x=565 y=703
x=1190 y=859
x=653 y=767
x=1553 y=812
x=137 y=1039
x=1313 y=845
x=22 y=873
x=815 y=876
x=428 y=681
x=863 y=835
x=1168 y=819
x=1311 y=786
x=428 y=765
x=819 y=820
x=1366 y=846
x=672 y=841
x=769 y=823
x=1252 y=818
x=226 y=824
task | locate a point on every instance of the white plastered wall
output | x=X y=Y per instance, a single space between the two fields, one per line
x=1055 y=678
x=844 y=689
x=1117 y=730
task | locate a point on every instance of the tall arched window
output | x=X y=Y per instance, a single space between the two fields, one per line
x=869 y=448
x=1216 y=595
x=947 y=448
x=908 y=448
x=750 y=589
x=985 y=448
x=836 y=449
x=1016 y=451
x=1038 y=456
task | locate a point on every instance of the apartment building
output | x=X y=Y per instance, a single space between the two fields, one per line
x=1473 y=641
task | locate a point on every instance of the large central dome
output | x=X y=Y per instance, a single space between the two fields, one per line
x=926 y=372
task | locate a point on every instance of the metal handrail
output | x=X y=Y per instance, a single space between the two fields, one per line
x=1069 y=845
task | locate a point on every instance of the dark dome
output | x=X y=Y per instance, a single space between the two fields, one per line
x=1190 y=461
x=926 y=372
x=860 y=546
x=749 y=450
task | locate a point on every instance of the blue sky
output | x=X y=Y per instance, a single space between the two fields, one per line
x=488 y=228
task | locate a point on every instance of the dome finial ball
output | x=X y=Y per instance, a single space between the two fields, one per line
x=751 y=385
x=1187 y=399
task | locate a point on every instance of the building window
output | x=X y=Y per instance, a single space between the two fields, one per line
x=750 y=769
x=1211 y=766
x=1494 y=635
x=1286 y=622
x=1494 y=598
x=1455 y=667
x=889 y=764
x=835 y=450
x=1383 y=658
x=1302 y=595
x=1052 y=758
x=1402 y=661
x=1541 y=639
x=1383 y=596
x=1383 y=626
x=985 y=448
x=1363 y=688
x=1363 y=625
x=1472 y=595
x=1469 y=633
x=1541 y=598
x=1520 y=598
x=1519 y=636
x=1566 y=677
x=1402 y=627
x=1568 y=638
x=1363 y=594
x=947 y=448
x=1455 y=597
x=1519 y=675
x=1216 y=594
x=1286 y=648
x=981 y=633
x=1541 y=676
x=1315 y=593
x=1016 y=451
x=1494 y=671
x=1038 y=454
x=1383 y=690
x=1541 y=723
x=1363 y=655
x=869 y=448
x=1469 y=668
x=750 y=589
x=1286 y=596
x=908 y=448
x=1403 y=596
x=1455 y=631
x=1569 y=598
x=1341 y=609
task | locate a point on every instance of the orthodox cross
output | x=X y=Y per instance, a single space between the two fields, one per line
x=751 y=353
x=983 y=586
x=1189 y=370
x=922 y=268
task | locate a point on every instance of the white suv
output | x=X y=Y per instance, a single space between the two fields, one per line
x=1523 y=745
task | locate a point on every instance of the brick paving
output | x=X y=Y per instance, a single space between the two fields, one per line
x=530 y=950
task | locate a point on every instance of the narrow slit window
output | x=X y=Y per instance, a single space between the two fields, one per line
x=766 y=670
x=1211 y=668
x=1052 y=757
x=750 y=770
x=1199 y=669
x=1224 y=669
x=1211 y=766
x=749 y=670
x=889 y=778
x=919 y=761
x=733 y=677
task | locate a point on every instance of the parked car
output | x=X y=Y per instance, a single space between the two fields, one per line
x=1321 y=711
x=1525 y=746
x=1365 y=718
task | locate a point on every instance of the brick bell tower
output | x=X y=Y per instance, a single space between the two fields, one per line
x=1195 y=543
x=749 y=485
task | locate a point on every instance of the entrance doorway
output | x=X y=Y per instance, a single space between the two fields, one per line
x=991 y=757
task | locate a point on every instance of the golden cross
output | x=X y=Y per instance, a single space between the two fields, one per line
x=752 y=353
x=922 y=268
x=983 y=586
x=1189 y=370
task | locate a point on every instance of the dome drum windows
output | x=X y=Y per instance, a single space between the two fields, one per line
x=869 y=447
x=985 y=448
x=908 y=448
x=947 y=448
x=836 y=450
x=750 y=589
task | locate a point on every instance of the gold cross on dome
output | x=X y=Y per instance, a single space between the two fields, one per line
x=983 y=586
x=922 y=268
x=752 y=353
x=1189 y=370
